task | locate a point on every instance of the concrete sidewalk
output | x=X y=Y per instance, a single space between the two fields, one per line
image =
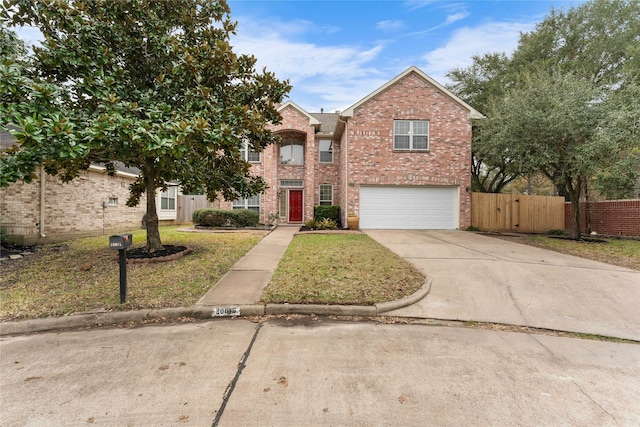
x=243 y=284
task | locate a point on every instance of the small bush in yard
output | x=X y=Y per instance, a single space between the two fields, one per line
x=331 y=212
x=225 y=218
x=246 y=218
x=326 y=224
x=213 y=218
x=311 y=224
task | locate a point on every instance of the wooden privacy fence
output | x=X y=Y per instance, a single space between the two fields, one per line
x=517 y=212
x=189 y=203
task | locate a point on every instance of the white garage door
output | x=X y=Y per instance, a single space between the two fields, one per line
x=409 y=207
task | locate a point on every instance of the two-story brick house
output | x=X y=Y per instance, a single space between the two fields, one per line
x=398 y=158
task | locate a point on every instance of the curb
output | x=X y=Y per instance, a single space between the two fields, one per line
x=203 y=312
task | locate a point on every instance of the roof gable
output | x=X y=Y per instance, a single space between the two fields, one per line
x=312 y=120
x=473 y=113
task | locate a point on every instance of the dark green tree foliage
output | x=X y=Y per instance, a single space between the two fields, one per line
x=564 y=104
x=487 y=79
x=152 y=84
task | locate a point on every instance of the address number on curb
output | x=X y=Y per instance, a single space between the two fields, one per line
x=225 y=311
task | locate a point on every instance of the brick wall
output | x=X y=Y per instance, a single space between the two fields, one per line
x=614 y=218
x=71 y=210
x=294 y=127
x=372 y=159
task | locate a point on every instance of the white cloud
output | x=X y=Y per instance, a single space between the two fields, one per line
x=390 y=26
x=455 y=17
x=326 y=76
x=466 y=42
x=417 y=4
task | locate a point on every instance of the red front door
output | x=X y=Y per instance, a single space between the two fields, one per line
x=295 y=205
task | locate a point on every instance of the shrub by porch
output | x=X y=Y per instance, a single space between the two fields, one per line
x=238 y=218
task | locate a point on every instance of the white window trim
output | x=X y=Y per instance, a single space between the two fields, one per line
x=289 y=143
x=411 y=134
x=288 y=183
x=320 y=200
x=320 y=151
x=167 y=195
x=243 y=203
x=245 y=151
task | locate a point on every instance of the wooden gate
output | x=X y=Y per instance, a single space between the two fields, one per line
x=189 y=203
x=517 y=212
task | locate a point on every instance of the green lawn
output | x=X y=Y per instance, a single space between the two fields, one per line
x=82 y=275
x=625 y=253
x=340 y=269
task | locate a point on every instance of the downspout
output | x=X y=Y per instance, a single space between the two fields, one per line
x=42 y=190
x=346 y=171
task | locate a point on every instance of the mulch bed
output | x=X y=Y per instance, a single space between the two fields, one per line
x=7 y=249
x=306 y=230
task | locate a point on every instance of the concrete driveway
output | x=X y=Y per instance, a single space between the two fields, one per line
x=485 y=279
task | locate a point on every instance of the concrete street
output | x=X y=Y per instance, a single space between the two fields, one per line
x=315 y=372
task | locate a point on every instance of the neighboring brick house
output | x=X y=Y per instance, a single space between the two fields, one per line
x=398 y=158
x=47 y=210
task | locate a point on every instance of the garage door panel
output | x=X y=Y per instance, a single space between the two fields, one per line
x=408 y=207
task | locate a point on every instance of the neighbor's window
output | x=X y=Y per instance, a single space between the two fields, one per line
x=252 y=203
x=410 y=135
x=248 y=154
x=326 y=194
x=113 y=201
x=326 y=151
x=168 y=199
x=292 y=153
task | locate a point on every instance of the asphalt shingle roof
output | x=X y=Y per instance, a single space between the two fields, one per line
x=328 y=121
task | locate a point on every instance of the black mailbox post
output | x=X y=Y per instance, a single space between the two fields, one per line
x=121 y=242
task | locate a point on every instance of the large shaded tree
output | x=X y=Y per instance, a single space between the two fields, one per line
x=563 y=103
x=487 y=79
x=550 y=124
x=153 y=84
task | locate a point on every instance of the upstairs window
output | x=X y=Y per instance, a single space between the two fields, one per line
x=248 y=154
x=326 y=151
x=292 y=153
x=410 y=135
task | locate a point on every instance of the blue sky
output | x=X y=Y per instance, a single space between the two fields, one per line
x=336 y=52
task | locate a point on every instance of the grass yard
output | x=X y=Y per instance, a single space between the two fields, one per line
x=82 y=275
x=624 y=253
x=340 y=269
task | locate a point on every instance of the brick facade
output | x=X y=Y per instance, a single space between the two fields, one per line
x=613 y=218
x=363 y=152
x=74 y=209
x=296 y=126
x=372 y=159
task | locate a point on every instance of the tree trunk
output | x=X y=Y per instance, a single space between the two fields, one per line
x=587 y=207
x=153 y=232
x=574 y=195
